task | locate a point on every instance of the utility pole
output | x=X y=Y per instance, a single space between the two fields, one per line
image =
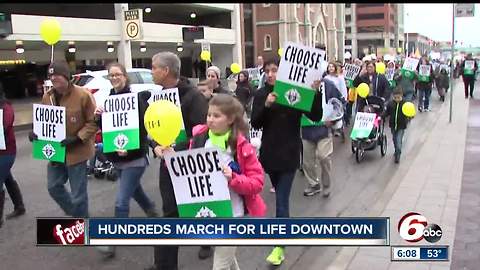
x=452 y=63
x=124 y=53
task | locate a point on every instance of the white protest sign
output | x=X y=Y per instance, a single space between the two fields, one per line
x=254 y=133
x=363 y=125
x=410 y=64
x=2 y=134
x=469 y=64
x=199 y=185
x=171 y=95
x=299 y=67
x=120 y=123
x=425 y=70
x=49 y=122
x=389 y=73
x=351 y=71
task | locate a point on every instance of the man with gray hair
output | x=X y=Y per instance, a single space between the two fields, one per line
x=166 y=72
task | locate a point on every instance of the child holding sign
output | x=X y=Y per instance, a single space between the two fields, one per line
x=225 y=130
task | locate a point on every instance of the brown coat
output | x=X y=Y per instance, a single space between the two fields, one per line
x=80 y=107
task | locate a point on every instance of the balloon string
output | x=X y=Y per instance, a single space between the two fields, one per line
x=51 y=57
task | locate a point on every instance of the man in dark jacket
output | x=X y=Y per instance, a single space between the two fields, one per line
x=280 y=150
x=398 y=121
x=468 y=74
x=378 y=83
x=166 y=72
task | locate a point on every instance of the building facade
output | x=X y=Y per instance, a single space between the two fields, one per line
x=274 y=24
x=371 y=28
x=91 y=27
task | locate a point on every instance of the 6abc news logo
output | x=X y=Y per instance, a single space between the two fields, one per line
x=413 y=227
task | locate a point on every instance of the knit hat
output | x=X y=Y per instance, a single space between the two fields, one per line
x=215 y=69
x=59 y=68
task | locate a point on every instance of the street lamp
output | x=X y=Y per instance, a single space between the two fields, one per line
x=143 y=47
x=110 y=47
x=193 y=15
x=71 y=47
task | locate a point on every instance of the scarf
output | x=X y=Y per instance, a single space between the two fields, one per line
x=219 y=140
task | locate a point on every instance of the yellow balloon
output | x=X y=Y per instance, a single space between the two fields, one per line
x=380 y=68
x=280 y=52
x=235 y=68
x=408 y=109
x=363 y=90
x=205 y=56
x=163 y=122
x=50 y=31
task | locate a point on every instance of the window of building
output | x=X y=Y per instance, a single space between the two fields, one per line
x=348 y=42
x=348 y=29
x=267 y=43
x=348 y=18
x=267 y=5
x=374 y=16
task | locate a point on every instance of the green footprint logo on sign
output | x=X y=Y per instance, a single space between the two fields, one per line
x=293 y=96
x=205 y=212
x=121 y=141
x=48 y=151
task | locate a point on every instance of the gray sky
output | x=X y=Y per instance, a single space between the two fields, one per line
x=435 y=22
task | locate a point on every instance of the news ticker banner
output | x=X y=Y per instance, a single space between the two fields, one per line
x=420 y=253
x=215 y=231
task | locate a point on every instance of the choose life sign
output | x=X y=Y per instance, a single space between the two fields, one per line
x=201 y=189
x=120 y=126
x=351 y=72
x=409 y=67
x=50 y=128
x=363 y=125
x=2 y=133
x=469 y=67
x=424 y=73
x=171 y=95
x=299 y=67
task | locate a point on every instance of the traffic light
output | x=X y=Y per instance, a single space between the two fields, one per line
x=5 y=25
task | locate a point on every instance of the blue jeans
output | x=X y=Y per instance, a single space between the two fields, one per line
x=425 y=96
x=129 y=186
x=75 y=203
x=282 y=182
x=397 y=140
x=6 y=163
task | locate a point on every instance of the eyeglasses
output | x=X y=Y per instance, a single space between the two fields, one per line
x=112 y=76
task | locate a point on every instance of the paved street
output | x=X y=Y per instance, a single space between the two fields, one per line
x=364 y=189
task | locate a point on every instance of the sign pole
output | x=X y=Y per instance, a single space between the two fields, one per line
x=452 y=63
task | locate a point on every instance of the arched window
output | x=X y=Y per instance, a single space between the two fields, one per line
x=267 y=43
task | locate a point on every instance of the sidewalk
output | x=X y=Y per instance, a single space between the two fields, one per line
x=430 y=186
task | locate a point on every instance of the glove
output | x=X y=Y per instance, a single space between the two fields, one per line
x=70 y=141
x=32 y=136
x=235 y=167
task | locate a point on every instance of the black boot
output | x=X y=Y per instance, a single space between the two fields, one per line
x=2 y=202
x=16 y=196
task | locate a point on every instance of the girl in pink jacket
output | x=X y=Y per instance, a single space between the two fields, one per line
x=225 y=130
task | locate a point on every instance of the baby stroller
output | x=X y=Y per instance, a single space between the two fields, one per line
x=99 y=165
x=377 y=136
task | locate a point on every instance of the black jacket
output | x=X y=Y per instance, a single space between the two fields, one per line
x=221 y=90
x=194 y=110
x=144 y=141
x=397 y=119
x=243 y=93
x=280 y=150
x=381 y=87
